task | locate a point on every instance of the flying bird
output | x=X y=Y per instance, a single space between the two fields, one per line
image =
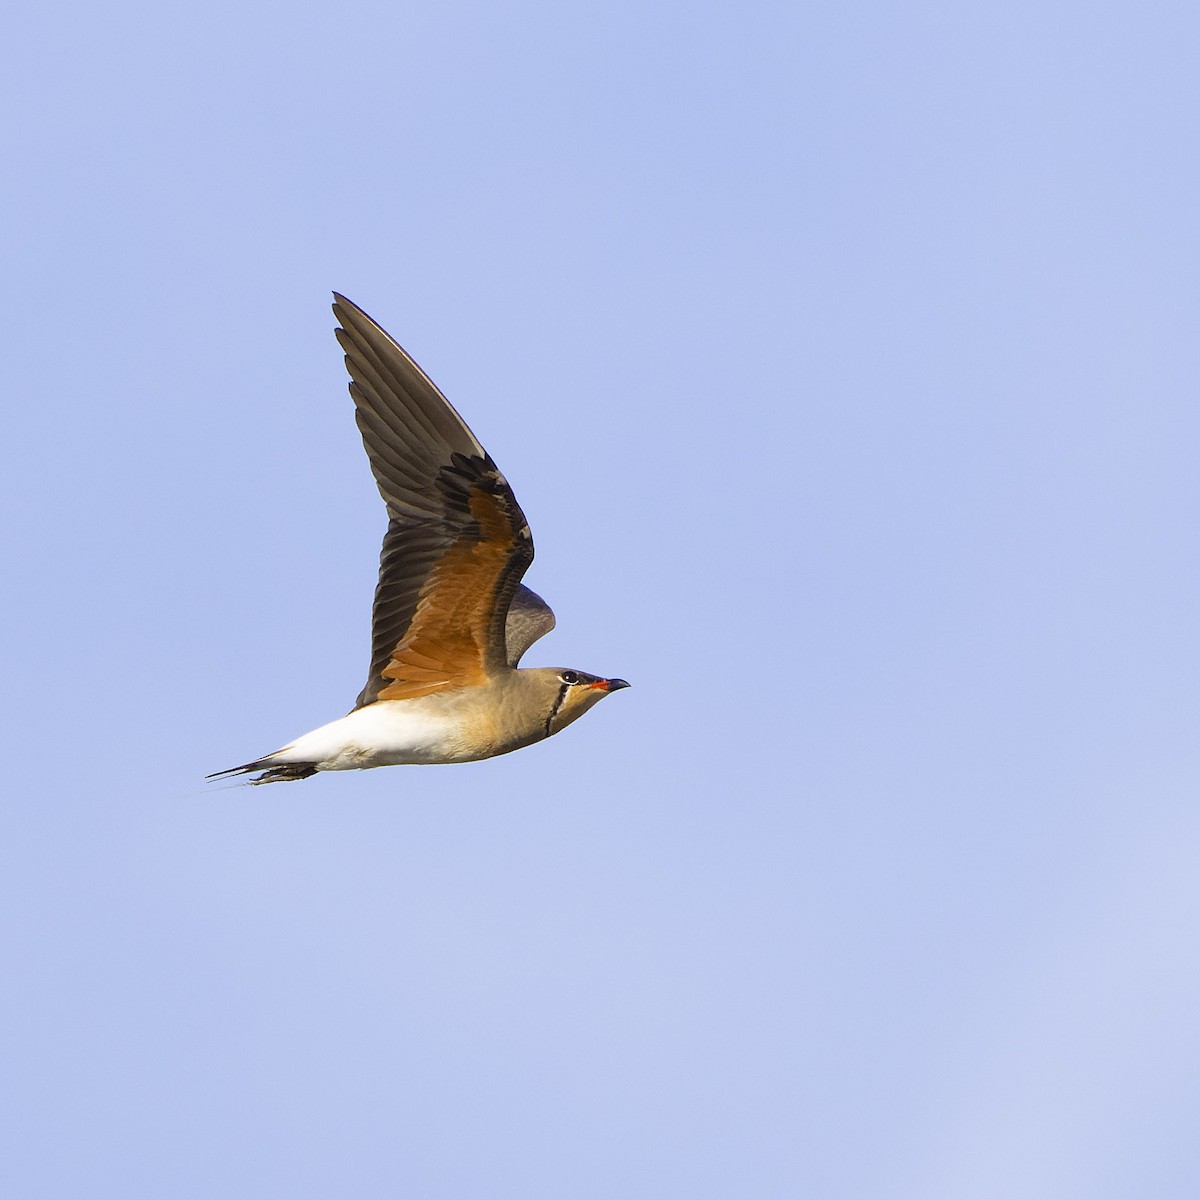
x=451 y=618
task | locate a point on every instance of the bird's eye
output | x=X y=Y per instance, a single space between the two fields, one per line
x=570 y=677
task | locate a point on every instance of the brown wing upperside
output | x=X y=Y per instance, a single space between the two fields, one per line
x=457 y=542
x=456 y=635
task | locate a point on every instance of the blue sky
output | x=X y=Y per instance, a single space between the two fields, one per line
x=843 y=358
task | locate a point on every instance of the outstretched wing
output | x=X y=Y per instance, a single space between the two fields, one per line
x=457 y=542
x=529 y=618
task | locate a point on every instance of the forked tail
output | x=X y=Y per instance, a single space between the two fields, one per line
x=270 y=774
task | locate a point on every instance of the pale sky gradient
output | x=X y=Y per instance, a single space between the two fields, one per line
x=844 y=360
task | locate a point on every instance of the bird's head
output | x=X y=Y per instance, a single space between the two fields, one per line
x=566 y=694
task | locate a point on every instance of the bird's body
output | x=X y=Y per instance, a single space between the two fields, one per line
x=451 y=617
x=460 y=725
x=388 y=734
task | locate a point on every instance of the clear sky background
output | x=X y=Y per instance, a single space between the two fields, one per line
x=844 y=359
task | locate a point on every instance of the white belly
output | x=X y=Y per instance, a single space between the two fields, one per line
x=389 y=733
